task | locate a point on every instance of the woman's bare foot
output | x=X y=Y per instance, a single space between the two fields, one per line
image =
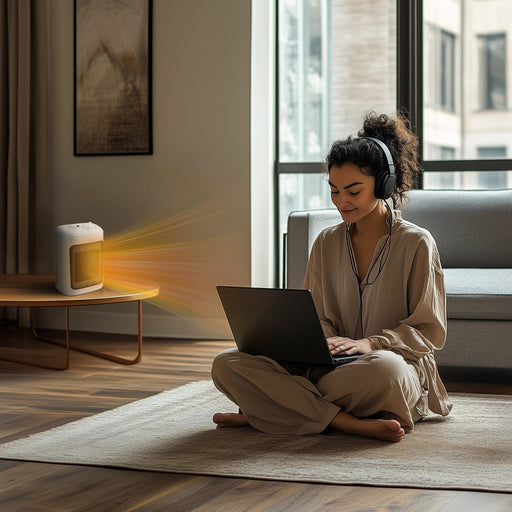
x=386 y=430
x=230 y=419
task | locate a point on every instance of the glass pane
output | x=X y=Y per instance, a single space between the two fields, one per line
x=337 y=61
x=479 y=180
x=302 y=192
x=465 y=81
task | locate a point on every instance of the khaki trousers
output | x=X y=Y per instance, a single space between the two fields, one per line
x=276 y=402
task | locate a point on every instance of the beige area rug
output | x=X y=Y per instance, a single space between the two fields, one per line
x=173 y=432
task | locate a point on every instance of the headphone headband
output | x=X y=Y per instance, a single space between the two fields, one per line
x=384 y=185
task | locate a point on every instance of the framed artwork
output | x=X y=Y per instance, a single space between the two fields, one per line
x=112 y=77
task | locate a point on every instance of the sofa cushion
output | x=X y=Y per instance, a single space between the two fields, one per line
x=479 y=293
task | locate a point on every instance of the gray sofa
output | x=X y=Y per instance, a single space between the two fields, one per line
x=473 y=231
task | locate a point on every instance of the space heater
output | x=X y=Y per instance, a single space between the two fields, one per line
x=79 y=258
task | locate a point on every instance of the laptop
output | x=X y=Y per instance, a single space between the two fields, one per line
x=279 y=323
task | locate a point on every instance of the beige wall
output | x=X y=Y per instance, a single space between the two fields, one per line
x=201 y=123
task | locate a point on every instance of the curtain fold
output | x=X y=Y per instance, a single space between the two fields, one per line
x=23 y=136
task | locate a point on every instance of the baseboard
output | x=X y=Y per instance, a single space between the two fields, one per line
x=153 y=325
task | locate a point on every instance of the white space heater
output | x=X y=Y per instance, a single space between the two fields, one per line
x=79 y=258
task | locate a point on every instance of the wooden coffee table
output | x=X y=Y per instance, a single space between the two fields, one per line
x=38 y=290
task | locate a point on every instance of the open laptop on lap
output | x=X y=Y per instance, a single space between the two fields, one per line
x=282 y=324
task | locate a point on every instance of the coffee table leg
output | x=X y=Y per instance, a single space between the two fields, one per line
x=96 y=353
x=42 y=365
x=117 y=359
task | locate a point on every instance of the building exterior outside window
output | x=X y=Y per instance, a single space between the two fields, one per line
x=479 y=69
x=338 y=60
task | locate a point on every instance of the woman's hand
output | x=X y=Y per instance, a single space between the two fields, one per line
x=348 y=346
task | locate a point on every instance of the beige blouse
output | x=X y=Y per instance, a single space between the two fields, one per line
x=403 y=309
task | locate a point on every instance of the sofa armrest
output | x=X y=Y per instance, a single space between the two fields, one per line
x=303 y=228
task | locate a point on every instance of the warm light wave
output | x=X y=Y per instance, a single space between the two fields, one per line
x=175 y=254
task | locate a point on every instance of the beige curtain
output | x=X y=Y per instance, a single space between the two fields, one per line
x=23 y=136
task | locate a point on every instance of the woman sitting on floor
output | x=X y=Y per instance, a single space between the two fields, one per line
x=378 y=287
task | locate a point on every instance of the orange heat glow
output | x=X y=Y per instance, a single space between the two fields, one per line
x=175 y=254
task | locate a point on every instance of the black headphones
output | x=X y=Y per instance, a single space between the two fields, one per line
x=384 y=181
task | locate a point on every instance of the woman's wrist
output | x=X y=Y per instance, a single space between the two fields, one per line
x=375 y=342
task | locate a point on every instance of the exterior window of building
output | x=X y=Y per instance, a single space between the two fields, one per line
x=486 y=153
x=491 y=179
x=439 y=55
x=492 y=55
x=447 y=94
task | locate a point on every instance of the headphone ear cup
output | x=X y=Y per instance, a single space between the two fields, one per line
x=389 y=185
x=384 y=185
x=377 y=192
x=385 y=180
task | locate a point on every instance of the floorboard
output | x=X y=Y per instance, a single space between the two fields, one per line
x=35 y=399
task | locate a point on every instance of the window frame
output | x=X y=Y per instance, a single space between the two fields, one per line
x=409 y=100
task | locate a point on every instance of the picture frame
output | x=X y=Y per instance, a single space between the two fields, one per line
x=113 y=77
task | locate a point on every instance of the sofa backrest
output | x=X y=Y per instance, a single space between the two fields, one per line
x=471 y=229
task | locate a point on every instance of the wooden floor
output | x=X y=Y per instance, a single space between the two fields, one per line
x=35 y=399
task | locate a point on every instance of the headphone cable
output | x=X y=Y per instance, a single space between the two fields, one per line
x=381 y=258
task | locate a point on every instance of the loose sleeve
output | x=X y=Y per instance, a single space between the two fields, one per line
x=317 y=280
x=424 y=329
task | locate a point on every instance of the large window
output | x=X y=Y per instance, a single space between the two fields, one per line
x=447 y=62
x=336 y=61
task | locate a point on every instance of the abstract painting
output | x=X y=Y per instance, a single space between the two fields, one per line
x=113 y=104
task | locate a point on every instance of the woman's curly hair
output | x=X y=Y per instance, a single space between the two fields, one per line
x=395 y=132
